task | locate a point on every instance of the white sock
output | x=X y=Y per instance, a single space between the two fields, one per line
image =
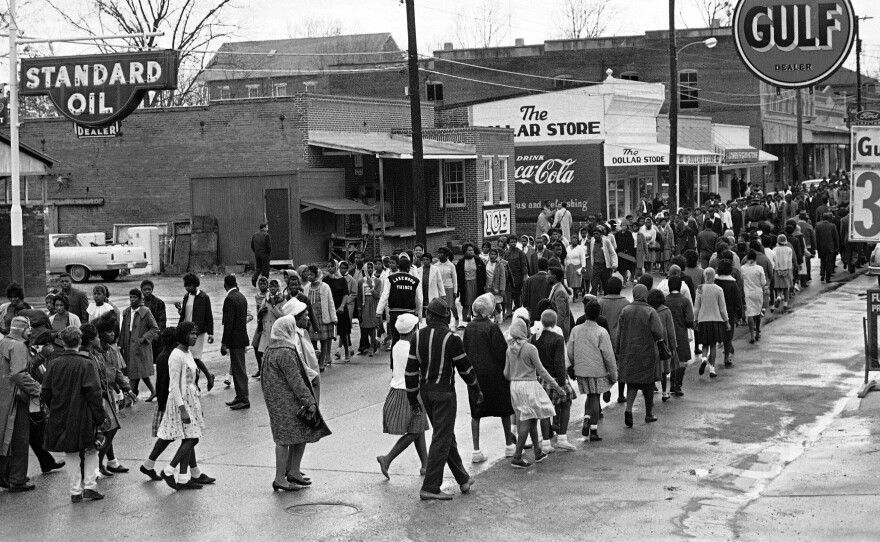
x=196 y=472
x=562 y=438
x=168 y=470
x=183 y=478
x=113 y=463
x=594 y=427
x=149 y=463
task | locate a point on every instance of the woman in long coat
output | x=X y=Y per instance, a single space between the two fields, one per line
x=642 y=253
x=137 y=333
x=640 y=329
x=683 y=318
x=286 y=388
x=667 y=234
x=486 y=349
x=667 y=366
x=755 y=284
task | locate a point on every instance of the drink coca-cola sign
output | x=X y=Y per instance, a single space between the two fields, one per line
x=537 y=170
x=557 y=173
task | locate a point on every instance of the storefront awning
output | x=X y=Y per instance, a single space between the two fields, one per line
x=746 y=158
x=337 y=206
x=655 y=154
x=388 y=145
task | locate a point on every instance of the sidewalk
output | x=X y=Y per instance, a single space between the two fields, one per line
x=830 y=492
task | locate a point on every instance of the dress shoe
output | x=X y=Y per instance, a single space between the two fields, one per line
x=585 y=430
x=240 y=406
x=104 y=472
x=56 y=466
x=154 y=476
x=19 y=488
x=92 y=495
x=303 y=483
x=117 y=470
x=594 y=435
x=383 y=466
x=702 y=368
x=188 y=485
x=233 y=402
x=628 y=418
x=650 y=419
x=203 y=479
x=210 y=379
x=169 y=479
x=278 y=487
x=76 y=498
x=428 y=496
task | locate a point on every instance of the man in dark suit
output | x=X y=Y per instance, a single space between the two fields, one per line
x=235 y=341
x=261 y=244
x=827 y=245
x=540 y=252
x=536 y=288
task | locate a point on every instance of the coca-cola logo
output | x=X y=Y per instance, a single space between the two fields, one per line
x=549 y=171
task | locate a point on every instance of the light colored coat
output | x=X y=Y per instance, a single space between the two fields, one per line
x=137 y=344
x=590 y=353
x=14 y=376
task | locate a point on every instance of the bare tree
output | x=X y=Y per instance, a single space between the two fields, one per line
x=586 y=18
x=316 y=27
x=711 y=10
x=192 y=27
x=481 y=27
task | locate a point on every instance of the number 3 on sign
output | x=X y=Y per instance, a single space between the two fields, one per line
x=865 y=205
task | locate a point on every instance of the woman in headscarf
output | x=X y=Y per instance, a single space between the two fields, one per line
x=783 y=278
x=287 y=388
x=658 y=302
x=710 y=313
x=639 y=330
x=755 y=284
x=522 y=368
x=398 y=417
x=485 y=348
x=551 y=351
x=593 y=365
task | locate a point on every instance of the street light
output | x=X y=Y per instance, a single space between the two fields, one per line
x=709 y=43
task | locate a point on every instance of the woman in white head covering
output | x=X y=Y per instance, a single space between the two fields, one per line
x=398 y=417
x=287 y=388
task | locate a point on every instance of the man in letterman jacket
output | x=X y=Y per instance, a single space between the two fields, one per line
x=400 y=293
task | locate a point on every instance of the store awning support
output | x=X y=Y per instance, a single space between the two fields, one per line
x=382 y=191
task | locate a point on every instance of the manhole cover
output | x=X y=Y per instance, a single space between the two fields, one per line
x=325 y=509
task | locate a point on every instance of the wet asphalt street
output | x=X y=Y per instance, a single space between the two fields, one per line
x=692 y=474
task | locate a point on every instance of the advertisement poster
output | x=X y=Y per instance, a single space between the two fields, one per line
x=546 y=119
x=569 y=173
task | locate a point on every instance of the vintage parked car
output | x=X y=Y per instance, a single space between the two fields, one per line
x=81 y=260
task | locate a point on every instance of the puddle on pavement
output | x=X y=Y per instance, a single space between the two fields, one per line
x=323 y=509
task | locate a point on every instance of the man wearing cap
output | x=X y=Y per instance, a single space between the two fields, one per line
x=401 y=294
x=14 y=420
x=434 y=355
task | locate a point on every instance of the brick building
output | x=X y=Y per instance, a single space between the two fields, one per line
x=714 y=83
x=315 y=166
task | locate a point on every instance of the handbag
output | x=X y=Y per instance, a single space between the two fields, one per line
x=100 y=440
x=663 y=350
x=110 y=421
x=312 y=419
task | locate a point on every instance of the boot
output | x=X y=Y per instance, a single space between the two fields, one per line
x=594 y=435
x=679 y=380
x=649 y=408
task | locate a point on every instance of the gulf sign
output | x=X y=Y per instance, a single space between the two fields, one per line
x=793 y=43
x=97 y=90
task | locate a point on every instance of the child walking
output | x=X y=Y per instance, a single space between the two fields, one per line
x=398 y=417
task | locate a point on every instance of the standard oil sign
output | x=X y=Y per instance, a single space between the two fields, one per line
x=96 y=91
x=793 y=43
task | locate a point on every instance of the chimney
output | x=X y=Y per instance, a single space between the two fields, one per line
x=519 y=42
x=716 y=23
x=448 y=46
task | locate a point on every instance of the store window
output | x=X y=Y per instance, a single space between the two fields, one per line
x=487 y=181
x=629 y=76
x=453 y=184
x=502 y=178
x=434 y=91
x=253 y=91
x=310 y=86
x=688 y=91
x=225 y=93
x=279 y=90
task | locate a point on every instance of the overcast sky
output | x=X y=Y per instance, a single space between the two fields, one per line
x=531 y=20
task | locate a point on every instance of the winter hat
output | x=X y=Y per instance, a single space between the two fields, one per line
x=293 y=307
x=18 y=326
x=438 y=307
x=406 y=322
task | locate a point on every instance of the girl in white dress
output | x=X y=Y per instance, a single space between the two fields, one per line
x=183 y=415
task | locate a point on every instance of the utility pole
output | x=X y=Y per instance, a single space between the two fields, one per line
x=673 y=111
x=799 y=101
x=16 y=235
x=859 y=63
x=415 y=103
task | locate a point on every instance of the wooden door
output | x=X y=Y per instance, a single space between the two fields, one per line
x=278 y=217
